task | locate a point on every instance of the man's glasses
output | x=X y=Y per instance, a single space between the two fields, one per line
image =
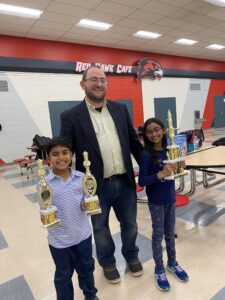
x=96 y=80
x=155 y=130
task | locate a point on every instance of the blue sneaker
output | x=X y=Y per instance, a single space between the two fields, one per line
x=162 y=282
x=178 y=272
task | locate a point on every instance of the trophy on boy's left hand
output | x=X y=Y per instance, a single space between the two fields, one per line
x=92 y=205
x=48 y=211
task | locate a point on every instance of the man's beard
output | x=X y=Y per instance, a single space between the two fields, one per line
x=94 y=98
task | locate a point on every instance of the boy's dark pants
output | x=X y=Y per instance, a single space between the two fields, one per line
x=79 y=258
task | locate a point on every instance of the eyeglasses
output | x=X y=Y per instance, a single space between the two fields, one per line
x=96 y=80
x=155 y=130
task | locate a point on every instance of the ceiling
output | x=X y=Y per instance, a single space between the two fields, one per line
x=174 y=19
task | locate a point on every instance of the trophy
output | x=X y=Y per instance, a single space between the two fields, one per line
x=89 y=187
x=48 y=212
x=174 y=153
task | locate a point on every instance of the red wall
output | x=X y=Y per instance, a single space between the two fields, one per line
x=40 y=49
x=126 y=88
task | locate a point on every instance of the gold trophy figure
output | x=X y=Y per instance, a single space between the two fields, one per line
x=174 y=153
x=89 y=187
x=48 y=211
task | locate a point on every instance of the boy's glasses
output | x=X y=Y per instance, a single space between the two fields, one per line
x=155 y=130
x=96 y=80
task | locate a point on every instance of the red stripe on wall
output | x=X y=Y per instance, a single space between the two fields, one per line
x=127 y=88
x=216 y=88
x=42 y=49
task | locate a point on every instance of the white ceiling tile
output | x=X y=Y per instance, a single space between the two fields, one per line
x=113 y=35
x=59 y=18
x=42 y=36
x=218 y=14
x=219 y=26
x=13 y=27
x=160 y=8
x=132 y=3
x=201 y=6
x=193 y=19
x=67 y=9
x=178 y=3
x=114 y=8
x=170 y=22
x=142 y=15
x=52 y=25
x=103 y=17
x=41 y=31
x=11 y=32
x=191 y=27
x=90 y=4
x=36 y=4
x=86 y=31
x=141 y=25
x=81 y=37
x=122 y=29
x=16 y=20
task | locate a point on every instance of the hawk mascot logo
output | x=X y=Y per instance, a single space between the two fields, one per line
x=149 y=68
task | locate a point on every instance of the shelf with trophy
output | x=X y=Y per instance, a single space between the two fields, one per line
x=174 y=153
x=92 y=204
x=48 y=211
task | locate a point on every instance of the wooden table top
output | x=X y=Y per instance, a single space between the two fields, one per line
x=208 y=158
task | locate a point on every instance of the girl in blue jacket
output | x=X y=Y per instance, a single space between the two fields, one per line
x=161 y=200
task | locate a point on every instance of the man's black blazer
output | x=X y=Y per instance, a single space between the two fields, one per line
x=76 y=123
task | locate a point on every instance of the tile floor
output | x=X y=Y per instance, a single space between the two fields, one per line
x=27 y=270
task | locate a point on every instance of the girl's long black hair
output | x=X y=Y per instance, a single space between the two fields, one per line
x=149 y=146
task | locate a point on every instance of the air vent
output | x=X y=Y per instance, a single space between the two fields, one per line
x=4 y=86
x=195 y=87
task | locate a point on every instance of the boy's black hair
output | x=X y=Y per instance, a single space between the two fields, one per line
x=59 y=141
x=150 y=145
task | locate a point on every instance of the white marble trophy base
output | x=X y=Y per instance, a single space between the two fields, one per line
x=48 y=217
x=174 y=161
x=92 y=205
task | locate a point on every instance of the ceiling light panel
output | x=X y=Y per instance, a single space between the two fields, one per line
x=186 y=42
x=216 y=2
x=20 y=11
x=147 y=34
x=86 y=23
x=215 y=47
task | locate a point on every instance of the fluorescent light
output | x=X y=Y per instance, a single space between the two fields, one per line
x=147 y=34
x=215 y=47
x=217 y=2
x=185 y=42
x=20 y=11
x=93 y=24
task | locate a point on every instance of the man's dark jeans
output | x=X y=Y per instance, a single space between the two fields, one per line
x=121 y=196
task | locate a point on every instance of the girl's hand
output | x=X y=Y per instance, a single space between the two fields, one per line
x=83 y=204
x=167 y=170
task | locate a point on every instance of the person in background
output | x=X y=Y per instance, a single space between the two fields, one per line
x=103 y=128
x=161 y=200
x=70 y=242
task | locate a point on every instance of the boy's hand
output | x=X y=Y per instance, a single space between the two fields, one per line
x=83 y=204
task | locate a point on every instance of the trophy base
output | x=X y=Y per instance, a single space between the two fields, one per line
x=172 y=177
x=49 y=217
x=173 y=161
x=56 y=222
x=93 y=212
x=92 y=205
